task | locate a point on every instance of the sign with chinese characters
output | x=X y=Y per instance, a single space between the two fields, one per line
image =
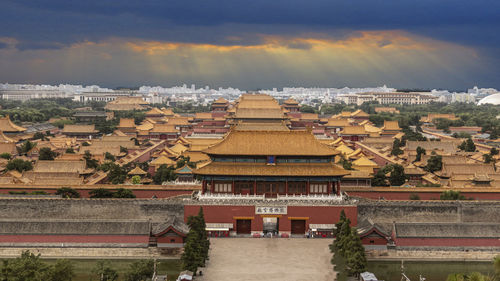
x=270 y=210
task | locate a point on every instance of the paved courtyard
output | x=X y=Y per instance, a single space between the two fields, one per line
x=260 y=259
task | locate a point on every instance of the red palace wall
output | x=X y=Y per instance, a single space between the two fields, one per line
x=84 y=193
x=115 y=239
x=311 y=214
x=376 y=241
x=167 y=239
x=448 y=242
x=427 y=195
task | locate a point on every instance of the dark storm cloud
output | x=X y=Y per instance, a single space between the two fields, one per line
x=213 y=21
x=3 y=45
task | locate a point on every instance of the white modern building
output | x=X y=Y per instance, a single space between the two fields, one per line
x=388 y=98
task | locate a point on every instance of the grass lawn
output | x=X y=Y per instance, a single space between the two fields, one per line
x=83 y=268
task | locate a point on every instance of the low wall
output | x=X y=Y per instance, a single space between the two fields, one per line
x=156 y=210
x=387 y=212
x=140 y=191
x=424 y=193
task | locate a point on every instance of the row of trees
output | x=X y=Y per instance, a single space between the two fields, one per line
x=196 y=244
x=348 y=251
x=477 y=276
x=396 y=177
x=68 y=192
x=30 y=267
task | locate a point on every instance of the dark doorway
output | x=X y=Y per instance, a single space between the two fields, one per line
x=243 y=226
x=298 y=227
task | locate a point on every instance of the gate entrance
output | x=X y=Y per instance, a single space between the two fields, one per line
x=271 y=225
x=298 y=227
x=243 y=226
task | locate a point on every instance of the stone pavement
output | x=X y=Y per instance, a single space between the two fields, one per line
x=261 y=259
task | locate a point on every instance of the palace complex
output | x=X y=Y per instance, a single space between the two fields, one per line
x=257 y=166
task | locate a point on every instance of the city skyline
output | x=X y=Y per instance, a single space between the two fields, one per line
x=450 y=44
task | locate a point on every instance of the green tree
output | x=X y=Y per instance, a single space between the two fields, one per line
x=63 y=270
x=136 y=179
x=123 y=149
x=28 y=267
x=420 y=152
x=435 y=163
x=68 y=192
x=183 y=161
x=19 y=165
x=379 y=179
x=46 y=154
x=397 y=176
x=101 y=193
x=117 y=174
x=123 y=193
x=104 y=272
x=197 y=244
x=346 y=164
x=356 y=257
x=141 y=270
x=70 y=150
x=192 y=253
x=487 y=158
x=5 y=155
x=26 y=147
x=163 y=174
x=396 y=150
x=109 y=156
x=91 y=163
x=451 y=195
x=493 y=151
x=39 y=136
x=467 y=145
x=336 y=232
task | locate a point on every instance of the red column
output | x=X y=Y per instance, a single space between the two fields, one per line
x=338 y=187
x=212 y=187
x=307 y=187
x=286 y=187
x=203 y=186
x=232 y=186
x=255 y=187
x=329 y=188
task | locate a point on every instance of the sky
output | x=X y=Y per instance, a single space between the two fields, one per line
x=426 y=44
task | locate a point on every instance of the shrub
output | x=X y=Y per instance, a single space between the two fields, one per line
x=414 y=196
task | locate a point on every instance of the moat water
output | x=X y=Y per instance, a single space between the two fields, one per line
x=432 y=271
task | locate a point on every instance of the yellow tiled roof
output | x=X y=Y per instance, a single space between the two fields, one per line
x=126 y=123
x=363 y=161
x=164 y=128
x=262 y=169
x=79 y=129
x=155 y=111
x=291 y=101
x=391 y=126
x=162 y=160
x=8 y=126
x=354 y=130
x=372 y=129
x=333 y=122
x=359 y=113
x=344 y=149
x=137 y=171
x=270 y=143
x=178 y=148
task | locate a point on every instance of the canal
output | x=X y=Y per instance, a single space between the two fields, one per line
x=432 y=271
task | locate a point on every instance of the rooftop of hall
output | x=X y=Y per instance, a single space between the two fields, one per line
x=275 y=143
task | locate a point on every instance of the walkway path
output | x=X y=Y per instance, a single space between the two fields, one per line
x=262 y=259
